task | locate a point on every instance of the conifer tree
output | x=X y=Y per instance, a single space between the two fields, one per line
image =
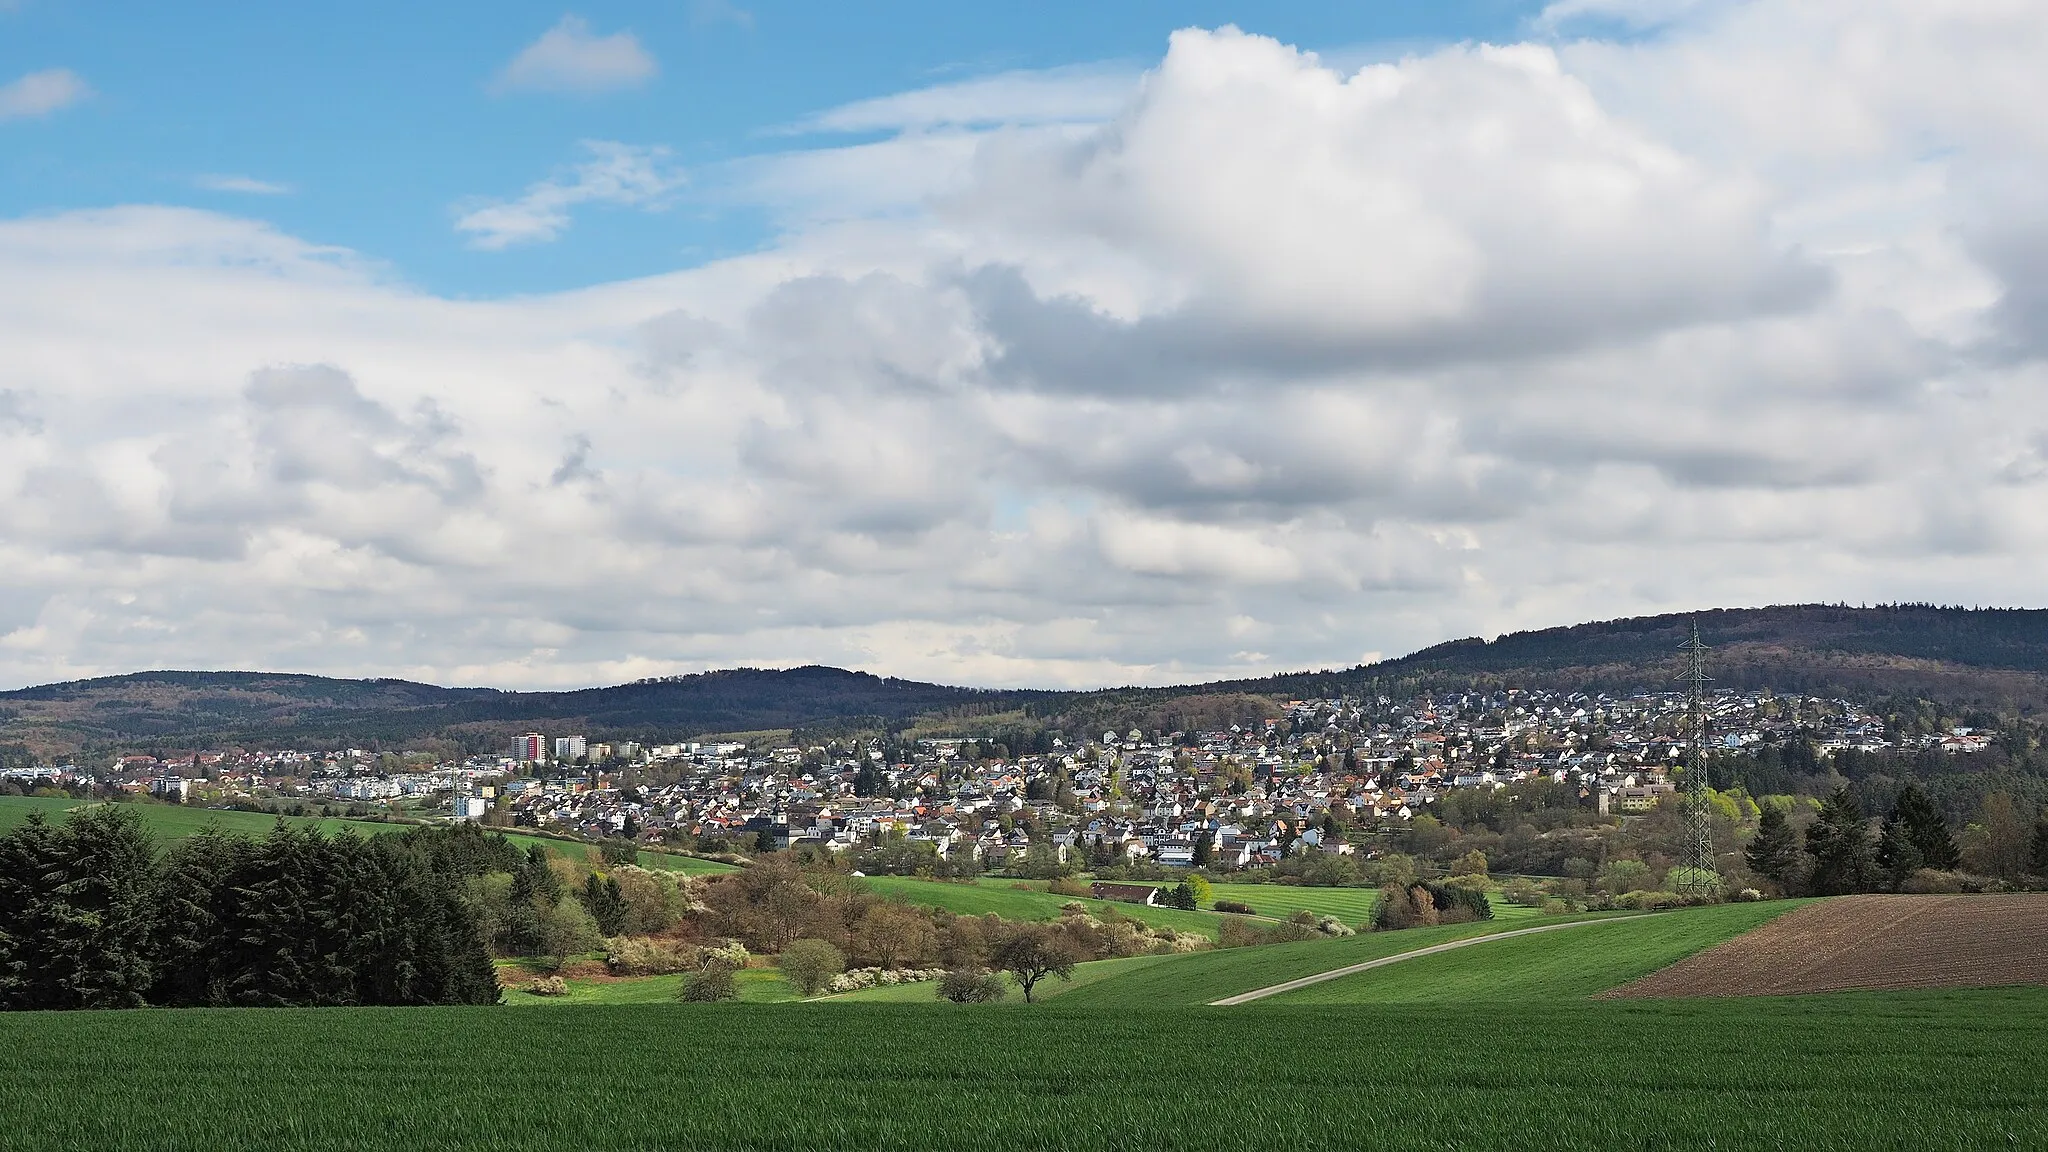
x=1839 y=843
x=29 y=874
x=1927 y=830
x=1774 y=852
x=1896 y=852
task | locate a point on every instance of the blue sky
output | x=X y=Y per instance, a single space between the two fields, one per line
x=379 y=119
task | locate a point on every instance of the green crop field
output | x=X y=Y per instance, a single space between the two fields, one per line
x=1550 y=966
x=169 y=822
x=1200 y=977
x=1861 y=1071
x=1034 y=903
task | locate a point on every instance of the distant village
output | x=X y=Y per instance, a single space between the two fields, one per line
x=1239 y=797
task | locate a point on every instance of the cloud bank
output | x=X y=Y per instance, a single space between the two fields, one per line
x=1267 y=365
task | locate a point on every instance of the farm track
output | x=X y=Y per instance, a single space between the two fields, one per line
x=1417 y=954
x=1877 y=943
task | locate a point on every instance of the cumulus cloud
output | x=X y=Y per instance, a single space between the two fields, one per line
x=627 y=175
x=1262 y=363
x=41 y=93
x=571 y=58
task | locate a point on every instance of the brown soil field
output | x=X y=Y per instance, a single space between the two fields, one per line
x=1870 y=942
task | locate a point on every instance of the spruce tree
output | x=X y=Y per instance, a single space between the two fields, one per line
x=1839 y=843
x=605 y=903
x=98 y=924
x=185 y=937
x=29 y=874
x=1927 y=830
x=2040 y=853
x=1773 y=853
x=1896 y=852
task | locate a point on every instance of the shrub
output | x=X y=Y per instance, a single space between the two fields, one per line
x=966 y=986
x=1065 y=886
x=810 y=965
x=710 y=984
x=1073 y=908
x=1235 y=907
x=549 y=986
x=730 y=953
x=1650 y=901
x=1331 y=926
x=1929 y=880
x=640 y=956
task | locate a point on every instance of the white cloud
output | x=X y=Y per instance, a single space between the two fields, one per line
x=571 y=58
x=41 y=93
x=1054 y=96
x=620 y=174
x=246 y=185
x=1271 y=365
x=708 y=12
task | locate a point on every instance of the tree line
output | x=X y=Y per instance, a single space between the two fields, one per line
x=92 y=916
x=1912 y=848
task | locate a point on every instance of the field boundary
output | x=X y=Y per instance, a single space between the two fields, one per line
x=1353 y=969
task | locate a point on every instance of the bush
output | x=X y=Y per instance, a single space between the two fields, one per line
x=810 y=965
x=710 y=984
x=1234 y=907
x=1927 y=880
x=1650 y=901
x=730 y=953
x=1065 y=886
x=640 y=956
x=1331 y=926
x=549 y=986
x=965 y=986
x=1073 y=908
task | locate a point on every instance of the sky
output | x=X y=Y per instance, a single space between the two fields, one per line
x=1056 y=345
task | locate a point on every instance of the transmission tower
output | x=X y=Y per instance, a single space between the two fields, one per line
x=1697 y=857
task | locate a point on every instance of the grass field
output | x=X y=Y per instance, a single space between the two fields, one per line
x=1859 y=1071
x=1085 y=974
x=756 y=986
x=1035 y=903
x=169 y=822
x=1351 y=905
x=1200 y=977
x=1547 y=967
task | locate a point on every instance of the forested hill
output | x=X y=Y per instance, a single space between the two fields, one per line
x=1990 y=658
x=157 y=710
x=1995 y=657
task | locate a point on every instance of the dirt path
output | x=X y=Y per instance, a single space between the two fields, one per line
x=1870 y=942
x=1318 y=978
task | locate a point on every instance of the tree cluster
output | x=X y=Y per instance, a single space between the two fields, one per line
x=92 y=917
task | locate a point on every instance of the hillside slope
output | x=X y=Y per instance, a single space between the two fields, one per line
x=1991 y=658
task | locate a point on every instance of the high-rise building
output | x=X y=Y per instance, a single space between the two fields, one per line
x=568 y=748
x=531 y=748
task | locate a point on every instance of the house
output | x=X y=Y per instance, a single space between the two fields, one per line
x=1144 y=894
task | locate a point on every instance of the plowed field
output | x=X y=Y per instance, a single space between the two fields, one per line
x=1870 y=942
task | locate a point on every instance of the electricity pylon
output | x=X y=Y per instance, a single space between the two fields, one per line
x=1697 y=856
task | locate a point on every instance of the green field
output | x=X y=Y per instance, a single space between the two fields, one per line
x=1035 y=903
x=756 y=986
x=1200 y=977
x=1862 y=1071
x=176 y=821
x=1085 y=974
x=1351 y=905
x=1576 y=962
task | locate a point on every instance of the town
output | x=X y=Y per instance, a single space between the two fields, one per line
x=1242 y=797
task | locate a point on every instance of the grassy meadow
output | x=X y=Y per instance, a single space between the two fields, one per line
x=1548 y=966
x=168 y=822
x=1858 y=1071
x=1031 y=901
